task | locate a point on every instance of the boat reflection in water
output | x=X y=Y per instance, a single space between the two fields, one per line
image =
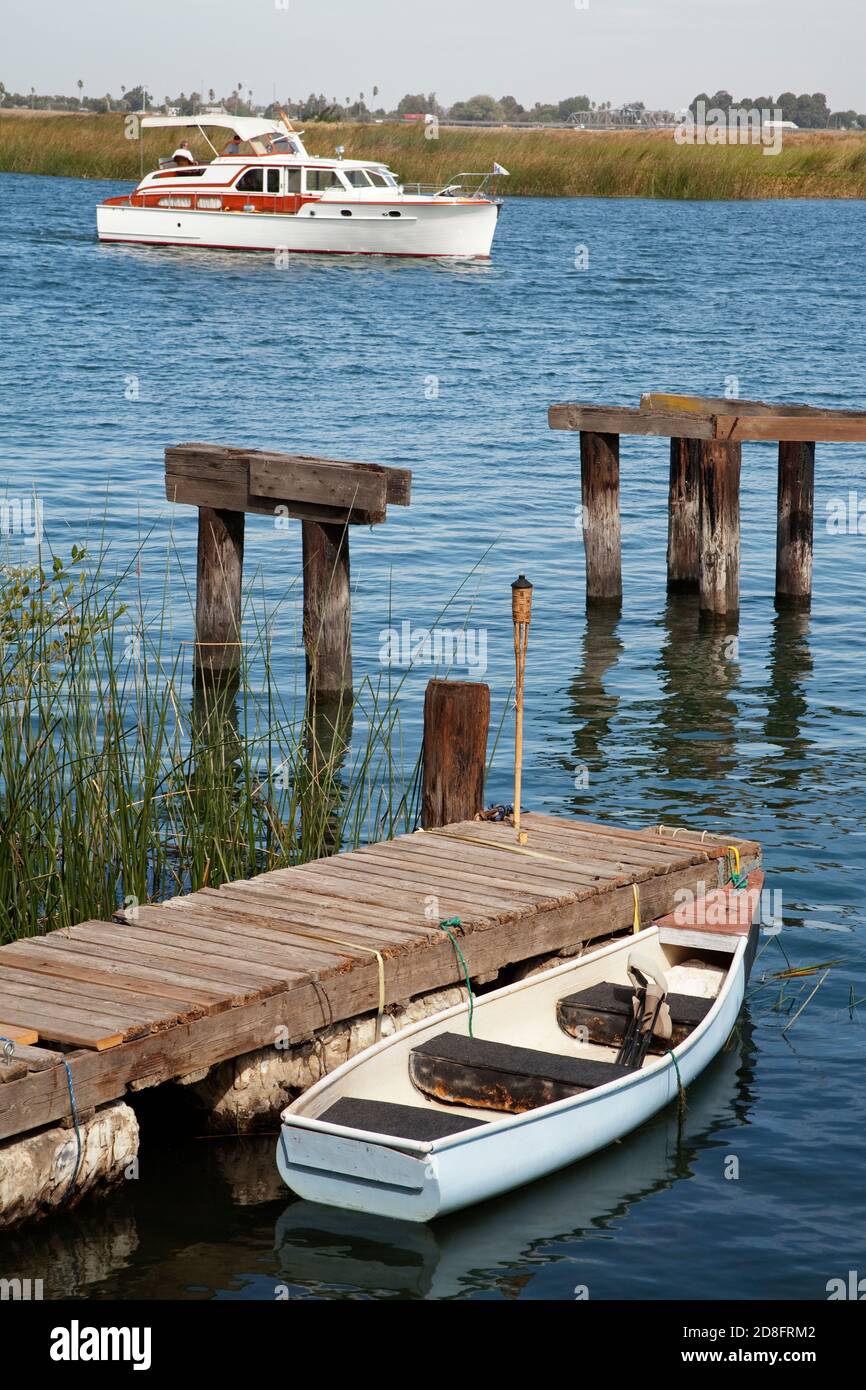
x=501 y=1245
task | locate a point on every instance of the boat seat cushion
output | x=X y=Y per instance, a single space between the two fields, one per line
x=401 y=1121
x=599 y=1015
x=497 y=1076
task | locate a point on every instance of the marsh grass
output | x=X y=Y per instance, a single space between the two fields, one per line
x=543 y=163
x=119 y=786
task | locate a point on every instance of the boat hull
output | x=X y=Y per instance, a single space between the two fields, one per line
x=442 y=229
x=414 y=1182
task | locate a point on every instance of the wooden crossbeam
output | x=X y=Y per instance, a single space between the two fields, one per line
x=611 y=419
x=310 y=489
x=664 y=402
x=733 y=422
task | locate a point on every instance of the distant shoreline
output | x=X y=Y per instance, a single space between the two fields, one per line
x=543 y=163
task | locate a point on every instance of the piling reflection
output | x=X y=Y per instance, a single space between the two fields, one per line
x=791 y=667
x=593 y=706
x=693 y=740
x=502 y=1245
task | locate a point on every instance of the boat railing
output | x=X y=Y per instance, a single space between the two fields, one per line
x=465 y=185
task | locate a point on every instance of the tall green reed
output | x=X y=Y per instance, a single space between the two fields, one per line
x=120 y=784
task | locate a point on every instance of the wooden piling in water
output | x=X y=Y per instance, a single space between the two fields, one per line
x=599 y=489
x=456 y=724
x=327 y=610
x=218 y=594
x=326 y=496
x=795 y=521
x=719 y=563
x=683 y=515
x=706 y=434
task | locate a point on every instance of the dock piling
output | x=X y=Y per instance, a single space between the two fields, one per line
x=456 y=724
x=683 y=516
x=218 y=594
x=327 y=610
x=599 y=488
x=719 y=580
x=795 y=521
x=326 y=496
x=706 y=435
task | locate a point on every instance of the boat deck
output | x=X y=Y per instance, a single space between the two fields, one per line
x=217 y=973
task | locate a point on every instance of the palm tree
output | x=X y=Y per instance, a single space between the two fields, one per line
x=80 y=90
x=211 y=96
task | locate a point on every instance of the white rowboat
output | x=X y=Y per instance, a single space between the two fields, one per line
x=431 y=1120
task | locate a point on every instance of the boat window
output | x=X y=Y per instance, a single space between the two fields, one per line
x=380 y=180
x=176 y=201
x=293 y=180
x=318 y=180
x=253 y=181
x=273 y=180
x=357 y=177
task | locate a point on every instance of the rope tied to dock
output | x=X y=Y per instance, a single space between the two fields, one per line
x=76 y=1125
x=636 y=919
x=732 y=864
x=449 y=925
x=498 y=844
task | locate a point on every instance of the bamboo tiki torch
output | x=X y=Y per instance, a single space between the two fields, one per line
x=521 y=614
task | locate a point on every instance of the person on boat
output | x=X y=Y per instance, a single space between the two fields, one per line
x=233 y=146
x=183 y=154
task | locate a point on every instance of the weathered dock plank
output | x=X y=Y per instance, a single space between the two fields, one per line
x=216 y=973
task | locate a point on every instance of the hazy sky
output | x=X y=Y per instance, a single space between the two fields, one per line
x=659 y=51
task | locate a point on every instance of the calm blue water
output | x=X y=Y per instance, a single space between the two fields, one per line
x=450 y=372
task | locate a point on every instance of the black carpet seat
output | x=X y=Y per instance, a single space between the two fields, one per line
x=401 y=1121
x=460 y=1070
x=603 y=1011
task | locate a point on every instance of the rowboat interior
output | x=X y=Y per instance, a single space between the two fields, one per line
x=547 y=1038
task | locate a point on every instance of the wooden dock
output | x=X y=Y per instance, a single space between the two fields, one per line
x=207 y=977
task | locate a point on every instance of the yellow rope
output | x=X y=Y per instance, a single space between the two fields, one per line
x=352 y=946
x=636 y=919
x=495 y=844
x=732 y=849
x=380 y=963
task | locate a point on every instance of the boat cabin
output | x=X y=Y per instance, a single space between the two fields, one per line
x=262 y=167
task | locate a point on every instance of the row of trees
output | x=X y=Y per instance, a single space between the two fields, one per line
x=313 y=107
x=810 y=112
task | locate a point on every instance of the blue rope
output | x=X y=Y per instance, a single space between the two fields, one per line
x=9 y=1051
x=445 y=925
x=71 y=1188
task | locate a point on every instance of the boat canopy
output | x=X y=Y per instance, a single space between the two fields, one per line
x=249 y=128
